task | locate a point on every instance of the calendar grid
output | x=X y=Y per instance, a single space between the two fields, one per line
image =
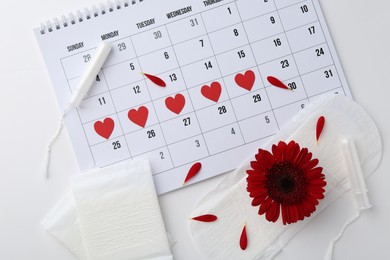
x=229 y=149
x=251 y=42
x=116 y=112
x=287 y=6
x=201 y=132
x=220 y=72
x=246 y=68
x=265 y=112
x=152 y=101
x=215 y=61
x=331 y=54
x=266 y=85
x=250 y=46
x=78 y=115
x=292 y=54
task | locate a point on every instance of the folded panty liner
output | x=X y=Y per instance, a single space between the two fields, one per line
x=112 y=213
x=231 y=202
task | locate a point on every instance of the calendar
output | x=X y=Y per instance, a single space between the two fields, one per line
x=215 y=57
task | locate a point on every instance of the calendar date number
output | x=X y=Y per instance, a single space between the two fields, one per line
x=151 y=133
x=222 y=110
x=116 y=145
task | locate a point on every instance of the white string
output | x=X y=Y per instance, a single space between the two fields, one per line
x=86 y=82
x=46 y=162
x=329 y=252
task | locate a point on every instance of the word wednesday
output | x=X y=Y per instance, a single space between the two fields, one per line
x=179 y=12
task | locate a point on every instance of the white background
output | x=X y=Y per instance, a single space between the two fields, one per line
x=29 y=115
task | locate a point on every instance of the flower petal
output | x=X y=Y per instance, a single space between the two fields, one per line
x=302 y=154
x=265 y=205
x=306 y=159
x=315 y=173
x=284 y=214
x=259 y=167
x=289 y=151
x=301 y=214
x=258 y=192
x=277 y=153
x=259 y=199
x=273 y=212
x=268 y=159
x=309 y=165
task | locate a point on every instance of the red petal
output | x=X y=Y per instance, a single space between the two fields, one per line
x=273 y=212
x=317 y=196
x=302 y=154
x=257 y=166
x=306 y=158
x=317 y=182
x=295 y=153
x=195 y=168
x=258 y=192
x=308 y=208
x=315 y=173
x=282 y=146
x=278 y=155
x=267 y=159
x=316 y=190
x=265 y=205
x=301 y=214
x=259 y=199
x=256 y=181
x=320 y=126
x=292 y=151
x=156 y=80
x=243 y=239
x=294 y=213
x=205 y=218
x=276 y=82
x=284 y=215
x=311 y=200
x=310 y=165
x=287 y=214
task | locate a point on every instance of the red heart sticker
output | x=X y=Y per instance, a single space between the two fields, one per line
x=105 y=128
x=212 y=92
x=245 y=80
x=139 y=116
x=175 y=104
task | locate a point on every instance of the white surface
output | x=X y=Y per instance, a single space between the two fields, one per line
x=29 y=115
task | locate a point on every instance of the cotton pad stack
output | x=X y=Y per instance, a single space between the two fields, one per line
x=112 y=213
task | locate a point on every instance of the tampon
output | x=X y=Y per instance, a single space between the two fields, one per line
x=355 y=173
x=89 y=75
x=81 y=91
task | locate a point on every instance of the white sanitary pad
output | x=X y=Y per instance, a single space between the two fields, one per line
x=346 y=123
x=112 y=213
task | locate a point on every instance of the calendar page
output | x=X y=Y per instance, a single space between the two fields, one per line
x=215 y=56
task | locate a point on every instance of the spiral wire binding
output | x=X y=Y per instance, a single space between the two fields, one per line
x=86 y=14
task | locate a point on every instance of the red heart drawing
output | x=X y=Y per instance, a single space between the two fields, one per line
x=212 y=92
x=245 y=80
x=175 y=104
x=139 y=116
x=105 y=128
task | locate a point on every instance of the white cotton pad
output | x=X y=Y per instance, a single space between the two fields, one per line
x=62 y=222
x=112 y=213
x=231 y=202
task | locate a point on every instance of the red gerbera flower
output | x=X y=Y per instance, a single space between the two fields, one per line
x=285 y=180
